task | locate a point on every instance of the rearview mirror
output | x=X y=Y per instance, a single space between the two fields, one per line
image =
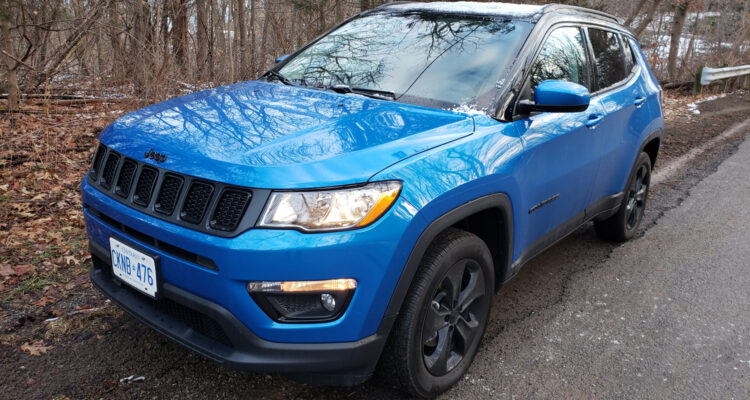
x=282 y=58
x=558 y=97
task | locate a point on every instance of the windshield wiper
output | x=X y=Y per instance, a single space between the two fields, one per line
x=373 y=93
x=278 y=75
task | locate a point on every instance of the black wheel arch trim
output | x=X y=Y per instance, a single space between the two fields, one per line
x=656 y=134
x=498 y=201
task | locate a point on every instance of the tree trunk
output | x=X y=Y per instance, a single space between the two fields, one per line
x=364 y=5
x=138 y=46
x=241 y=40
x=12 y=65
x=117 y=69
x=253 y=47
x=678 y=23
x=649 y=17
x=180 y=34
x=339 y=11
x=734 y=53
x=636 y=11
x=201 y=39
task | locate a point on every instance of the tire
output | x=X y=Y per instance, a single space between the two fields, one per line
x=623 y=225
x=434 y=340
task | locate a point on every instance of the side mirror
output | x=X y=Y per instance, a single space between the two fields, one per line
x=557 y=97
x=282 y=58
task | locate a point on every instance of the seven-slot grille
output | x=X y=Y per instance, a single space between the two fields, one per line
x=160 y=193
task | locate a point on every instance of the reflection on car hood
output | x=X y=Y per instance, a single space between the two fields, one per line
x=265 y=135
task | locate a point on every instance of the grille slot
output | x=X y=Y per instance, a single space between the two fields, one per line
x=145 y=186
x=196 y=201
x=168 y=194
x=229 y=209
x=110 y=169
x=98 y=160
x=125 y=180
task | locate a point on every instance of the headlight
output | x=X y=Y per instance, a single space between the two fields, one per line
x=325 y=210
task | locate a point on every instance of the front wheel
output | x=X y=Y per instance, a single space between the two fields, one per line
x=622 y=226
x=444 y=316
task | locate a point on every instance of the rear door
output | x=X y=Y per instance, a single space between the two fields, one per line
x=620 y=95
x=560 y=152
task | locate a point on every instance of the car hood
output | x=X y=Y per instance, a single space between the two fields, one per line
x=265 y=135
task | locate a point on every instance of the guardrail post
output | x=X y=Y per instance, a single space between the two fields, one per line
x=698 y=88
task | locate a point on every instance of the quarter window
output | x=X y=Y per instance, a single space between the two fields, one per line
x=629 y=56
x=563 y=57
x=608 y=58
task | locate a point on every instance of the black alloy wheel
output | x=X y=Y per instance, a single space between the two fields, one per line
x=451 y=324
x=445 y=313
x=623 y=224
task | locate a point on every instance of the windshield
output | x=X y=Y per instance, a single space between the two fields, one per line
x=424 y=59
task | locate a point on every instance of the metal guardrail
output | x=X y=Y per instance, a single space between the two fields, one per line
x=709 y=75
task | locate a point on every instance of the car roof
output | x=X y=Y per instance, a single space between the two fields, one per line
x=496 y=9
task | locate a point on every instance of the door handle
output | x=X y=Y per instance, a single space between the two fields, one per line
x=639 y=101
x=594 y=120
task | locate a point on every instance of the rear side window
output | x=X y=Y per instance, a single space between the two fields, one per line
x=563 y=57
x=608 y=58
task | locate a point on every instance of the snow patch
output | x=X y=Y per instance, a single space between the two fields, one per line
x=693 y=107
x=471 y=7
x=468 y=109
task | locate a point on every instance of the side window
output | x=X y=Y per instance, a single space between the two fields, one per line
x=608 y=58
x=563 y=57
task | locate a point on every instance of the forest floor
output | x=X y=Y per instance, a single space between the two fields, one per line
x=55 y=328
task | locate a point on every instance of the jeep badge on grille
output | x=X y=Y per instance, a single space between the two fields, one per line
x=158 y=157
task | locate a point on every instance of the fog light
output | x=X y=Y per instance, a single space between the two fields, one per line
x=329 y=303
x=303 y=301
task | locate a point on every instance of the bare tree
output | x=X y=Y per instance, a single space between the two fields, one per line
x=678 y=23
x=201 y=39
x=734 y=54
x=10 y=62
x=649 y=17
x=240 y=36
x=636 y=11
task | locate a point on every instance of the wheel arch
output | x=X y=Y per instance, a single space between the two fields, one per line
x=473 y=217
x=650 y=145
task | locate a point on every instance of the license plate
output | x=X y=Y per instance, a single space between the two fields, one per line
x=134 y=267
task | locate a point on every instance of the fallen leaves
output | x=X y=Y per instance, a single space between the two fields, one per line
x=42 y=302
x=44 y=255
x=36 y=348
x=7 y=270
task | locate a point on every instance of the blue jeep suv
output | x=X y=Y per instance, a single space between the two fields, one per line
x=360 y=203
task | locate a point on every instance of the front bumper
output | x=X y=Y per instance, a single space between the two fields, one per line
x=211 y=330
x=206 y=307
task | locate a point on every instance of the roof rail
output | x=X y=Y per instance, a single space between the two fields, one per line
x=563 y=7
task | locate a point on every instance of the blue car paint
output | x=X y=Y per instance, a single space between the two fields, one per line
x=561 y=93
x=264 y=135
x=374 y=256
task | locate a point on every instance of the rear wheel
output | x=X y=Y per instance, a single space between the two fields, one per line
x=444 y=316
x=622 y=226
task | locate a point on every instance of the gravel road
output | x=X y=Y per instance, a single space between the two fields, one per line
x=666 y=315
